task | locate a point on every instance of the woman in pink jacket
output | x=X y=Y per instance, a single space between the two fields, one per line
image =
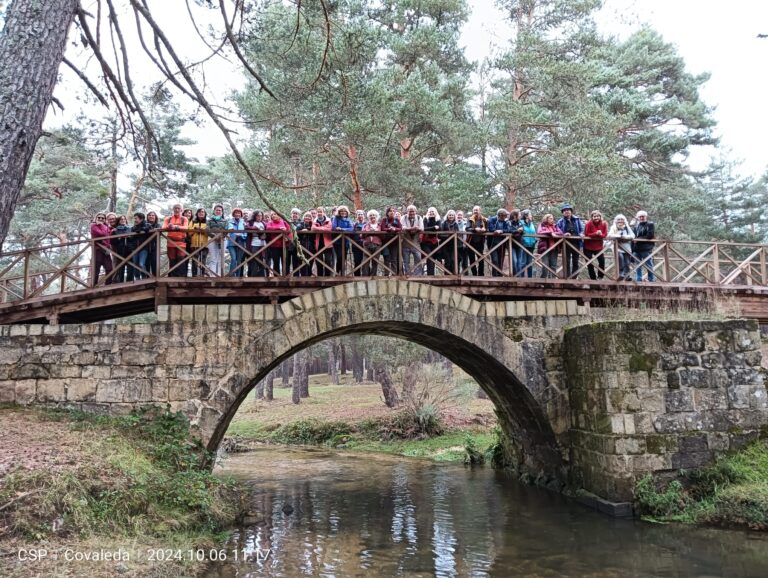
x=548 y=231
x=101 y=246
x=278 y=234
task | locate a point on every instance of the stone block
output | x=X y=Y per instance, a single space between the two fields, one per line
x=738 y=396
x=25 y=391
x=51 y=390
x=163 y=314
x=109 y=391
x=709 y=399
x=643 y=423
x=222 y=313
x=690 y=460
x=30 y=371
x=10 y=355
x=82 y=390
x=235 y=312
x=211 y=314
x=617 y=424
x=134 y=356
x=694 y=377
x=137 y=390
x=758 y=398
x=679 y=400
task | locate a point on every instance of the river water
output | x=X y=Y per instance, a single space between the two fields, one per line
x=336 y=514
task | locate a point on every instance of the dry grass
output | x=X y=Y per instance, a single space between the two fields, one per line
x=349 y=403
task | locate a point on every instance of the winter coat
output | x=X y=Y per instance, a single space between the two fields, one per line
x=326 y=238
x=577 y=229
x=529 y=230
x=549 y=232
x=595 y=241
x=623 y=238
x=645 y=230
x=101 y=230
x=274 y=230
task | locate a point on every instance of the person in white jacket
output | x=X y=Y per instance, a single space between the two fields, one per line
x=621 y=233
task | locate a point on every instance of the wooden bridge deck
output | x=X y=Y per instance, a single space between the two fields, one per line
x=119 y=300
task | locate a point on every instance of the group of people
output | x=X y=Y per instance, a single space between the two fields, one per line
x=262 y=243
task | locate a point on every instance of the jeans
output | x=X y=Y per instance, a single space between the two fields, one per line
x=639 y=256
x=625 y=260
x=410 y=248
x=497 y=258
x=549 y=261
x=140 y=260
x=524 y=266
x=235 y=258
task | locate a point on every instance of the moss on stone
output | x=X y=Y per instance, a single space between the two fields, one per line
x=643 y=362
x=659 y=444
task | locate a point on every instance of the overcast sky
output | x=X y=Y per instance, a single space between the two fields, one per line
x=711 y=35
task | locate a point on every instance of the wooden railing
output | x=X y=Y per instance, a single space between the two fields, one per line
x=65 y=267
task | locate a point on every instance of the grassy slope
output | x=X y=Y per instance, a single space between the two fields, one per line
x=731 y=492
x=348 y=408
x=129 y=482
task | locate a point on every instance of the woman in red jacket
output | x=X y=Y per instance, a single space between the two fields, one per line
x=278 y=234
x=596 y=231
x=101 y=246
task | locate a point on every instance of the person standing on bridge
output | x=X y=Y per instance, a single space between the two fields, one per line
x=101 y=246
x=217 y=225
x=499 y=227
x=478 y=226
x=596 y=230
x=236 y=242
x=528 y=242
x=141 y=231
x=548 y=233
x=176 y=225
x=571 y=226
x=198 y=242
x=413 y=225
x=323 y=243
x=622 y=235
x=642 y=246
x=154 y=223
x=341 y=223
x=391 y=225
x=430 y=238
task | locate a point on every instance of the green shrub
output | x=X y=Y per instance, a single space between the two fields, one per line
x=311 y=431
x=669 y=502
x=472 y=456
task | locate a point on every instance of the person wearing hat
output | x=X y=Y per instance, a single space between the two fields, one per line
x=571 y=226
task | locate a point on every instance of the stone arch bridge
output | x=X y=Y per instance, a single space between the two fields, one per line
x=593 y=404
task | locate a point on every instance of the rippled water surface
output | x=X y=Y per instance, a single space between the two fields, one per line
x=320 y=513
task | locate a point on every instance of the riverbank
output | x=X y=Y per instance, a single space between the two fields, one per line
x=732 y=493
x=354 y=418
x=92 y=496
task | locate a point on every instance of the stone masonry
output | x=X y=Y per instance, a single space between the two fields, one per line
x=658 y=397
x=553 y=397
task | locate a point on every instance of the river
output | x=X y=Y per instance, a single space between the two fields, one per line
x=330 y=513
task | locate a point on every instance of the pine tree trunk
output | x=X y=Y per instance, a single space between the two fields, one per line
x=343 y=362
x=296 y=387
x=387 y=387
x=357 y=362
x=304 y=369
x=333 y=370
x=269 y=386
x=31 y=49
x=260 y=390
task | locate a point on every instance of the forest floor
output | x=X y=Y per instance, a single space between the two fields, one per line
x=100 y=497
x=351 y=416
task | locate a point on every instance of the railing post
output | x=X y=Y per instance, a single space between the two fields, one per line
x=26 y=273
x=456 y=265
x=716 y=263
x=400 y=265
x=762 y=267
x=667 y=266
x=158 y=253
x=343 y=267
x=616 y=260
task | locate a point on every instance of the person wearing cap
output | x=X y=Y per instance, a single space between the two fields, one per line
x=498 y=226
x=642 y=245
x=571 y=226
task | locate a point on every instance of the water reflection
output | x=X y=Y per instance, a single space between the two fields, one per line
x=320 y=513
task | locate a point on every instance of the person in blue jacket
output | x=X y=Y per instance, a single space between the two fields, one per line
x=341 y=222
x=498 y=227
x=571 y=226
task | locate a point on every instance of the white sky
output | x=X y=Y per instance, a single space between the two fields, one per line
x=712 y=36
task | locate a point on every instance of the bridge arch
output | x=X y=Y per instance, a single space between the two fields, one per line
x=471 y=334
